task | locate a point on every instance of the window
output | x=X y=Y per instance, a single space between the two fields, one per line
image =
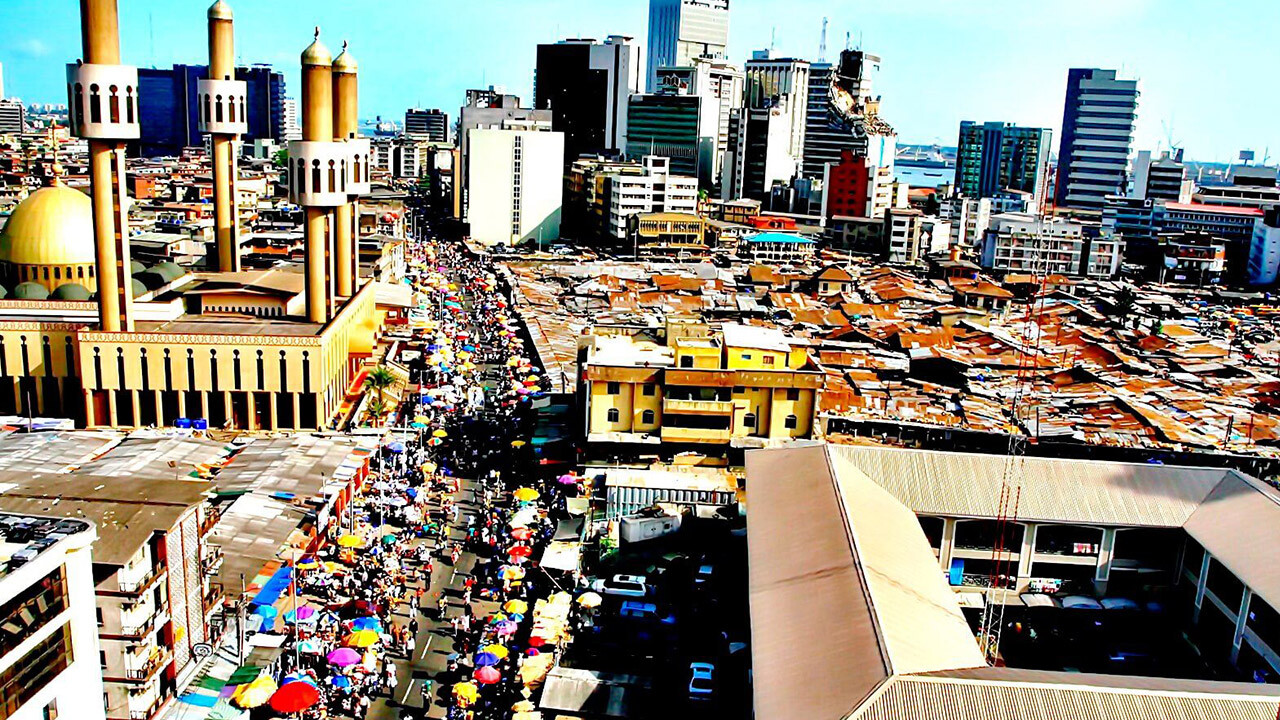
x=791 y=422
x=647 y=417
x=648 y=390
x=793 y=394
x=749 y=420
x=767 y=360
x=613 y=415
x=35 y=670
x=614 y=388
x=746 y=356
x=686 y=361
x=28 y=611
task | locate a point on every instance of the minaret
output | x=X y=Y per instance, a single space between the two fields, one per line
x=223 y=115
x=103 y=102
x=346 y=215
x=318 y=181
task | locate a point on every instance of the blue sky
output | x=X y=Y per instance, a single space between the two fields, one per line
x=1206 y=68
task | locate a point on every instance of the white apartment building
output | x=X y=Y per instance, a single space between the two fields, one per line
x=515 y=187
x=902 y=229
x=1264 y=249
x=969 y=219
x=657 y=190
x=49 y=658
x=782 y=83
x=1024 y=243
x=290 y=129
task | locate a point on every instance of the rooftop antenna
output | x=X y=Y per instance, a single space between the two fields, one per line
x=846 y=39
x=151 y=31
x=773 y=39
x=822 y=44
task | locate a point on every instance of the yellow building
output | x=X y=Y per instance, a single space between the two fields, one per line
x=736 y=387
x=676 y=236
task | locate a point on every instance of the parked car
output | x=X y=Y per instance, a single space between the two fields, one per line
x=623 y=586
x=702 y=683
x=704 y=574
x=639 y=610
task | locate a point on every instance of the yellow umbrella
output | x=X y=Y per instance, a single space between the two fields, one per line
x=255 y=693
x=332 y=567
x=589 y=600
x=308 y=565
x=440 y=433
x=516 y=607
x=351 y=541
x=512 y=572
x=361 y=638
x=523 y=706
x=466 y=692
x=429 y=467
x=512 y=362
x=518 y=443
x=498 y=651
x=526 y=494
x=421 y=418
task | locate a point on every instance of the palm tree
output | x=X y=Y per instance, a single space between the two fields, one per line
x=1123 y=305
x=379 y=379
x=377 y=407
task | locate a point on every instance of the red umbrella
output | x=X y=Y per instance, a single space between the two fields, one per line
x=520 y=551
x=295 y=697
x=522 y=533
x=487 y=675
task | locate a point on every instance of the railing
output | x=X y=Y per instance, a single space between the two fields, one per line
x=137 y=586
x=715 y=407
x=153 y=708
x=680 y=434
x=143 y=628
x=147 y=671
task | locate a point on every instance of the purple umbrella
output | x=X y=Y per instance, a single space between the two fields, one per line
x=567 y=480
x=504 y=627
x=344 y=657
x=485 y=659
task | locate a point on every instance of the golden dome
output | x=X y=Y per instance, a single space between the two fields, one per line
x=344 y=63
x=53 y=226
x=220 y=10
x=316 y=53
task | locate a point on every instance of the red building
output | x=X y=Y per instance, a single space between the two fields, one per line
x=848 y=186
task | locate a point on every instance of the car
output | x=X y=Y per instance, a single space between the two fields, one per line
x=638 y=610
x=702 y=683
x=703 y=575
x=623 y=586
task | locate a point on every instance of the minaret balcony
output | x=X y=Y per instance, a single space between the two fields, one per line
x=102 y=101
x=318 y=173
x=358 y=153
x=222 y=107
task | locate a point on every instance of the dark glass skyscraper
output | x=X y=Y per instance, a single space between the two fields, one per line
x=168 y=108
x=1097 y=133
x=992 y=157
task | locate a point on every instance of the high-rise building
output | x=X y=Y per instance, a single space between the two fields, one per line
x=12 y=116
x=492 y=109
x=994 y=157
x=170 y=110
x=1097 y=133
x=766 y=146
x=515 y=185
x=429 y=124
x=1160 y=178
x=657 y=190
x=772 y=83
x=585 y=85
x=1264 y=249
x=289 y=128
x=681 y=30
x=678 y=128
x=842 y=114
x=718 y=86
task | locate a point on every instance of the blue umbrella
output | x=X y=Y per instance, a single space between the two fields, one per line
x=266 y=612
x=340 y=681
x=485 y=659
x=396 y=447
x=367 y=623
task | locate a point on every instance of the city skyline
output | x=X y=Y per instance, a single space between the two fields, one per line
x=1024 y=71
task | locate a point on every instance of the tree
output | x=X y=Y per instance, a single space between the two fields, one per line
x=1123 y=305
x=281 y=158
x=379 y=379
x=378 y=407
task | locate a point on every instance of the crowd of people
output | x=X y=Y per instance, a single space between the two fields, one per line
x=358 y=604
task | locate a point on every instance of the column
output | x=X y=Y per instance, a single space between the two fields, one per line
x=1242 y=618
x=1026 y=553
x=1200 y=585
x=1105 y=553
x=948 y=545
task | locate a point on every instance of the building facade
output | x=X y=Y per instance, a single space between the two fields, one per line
x=586 y=86
x=842 y=113
x=1160 y=178
x=681 y=30
x=996 y=156
x=431 y=124
x=657 y=190
x=169 y=106
x=1022 y=243
x=677 y=128
x=515 y=185
x=1097 y=136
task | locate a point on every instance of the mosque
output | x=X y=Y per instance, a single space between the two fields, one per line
x=87 y=333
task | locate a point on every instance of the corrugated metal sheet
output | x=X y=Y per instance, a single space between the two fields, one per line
x=1239 y=525
x=952 y=699
x=1074 y=491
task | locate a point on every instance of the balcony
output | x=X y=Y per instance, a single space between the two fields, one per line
x=135 y=585
x=697 y=407
x=695 y=435
x=151 y=702
x=139 y=671
x=142 y=629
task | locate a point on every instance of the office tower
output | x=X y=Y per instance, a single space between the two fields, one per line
x=12 y=116
x=780 y=85
x=994 y=157
x=1160 y=178
x=842 y=114
x=677 y=128
x=169 y=104
x=681 y=30
x=491 y=108
x=718 y=86
x=515 y=186
x=289 y=127
x=432 y=125
x=586 y=85
x=1097 y=132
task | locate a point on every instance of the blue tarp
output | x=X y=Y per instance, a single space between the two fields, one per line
x=272 y=590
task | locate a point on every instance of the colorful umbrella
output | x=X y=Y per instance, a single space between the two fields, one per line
x=520 y=551
x=589 y=600
x=310 y=647
x=304 y=614
x=518 y=443
x=295 y=697
x=296 y=676
x=487 y=659
x=256 y=693
x=440 y=433
x=343 y=657
x=340 y=681
x=466 y=693
x=505 y=627
x=351 y=541
x=367 y=623
x=521 y=533
x=500 y=651
x=526 y=494
x=389 y=539
x=518 y=607
x=567 y=479
x=487 y=675
x=361 y=639
x=510 y=572
x=266 y=612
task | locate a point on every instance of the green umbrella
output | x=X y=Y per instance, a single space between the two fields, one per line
x=388 y=539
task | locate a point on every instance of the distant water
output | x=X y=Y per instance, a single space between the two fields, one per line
x=924 y=174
